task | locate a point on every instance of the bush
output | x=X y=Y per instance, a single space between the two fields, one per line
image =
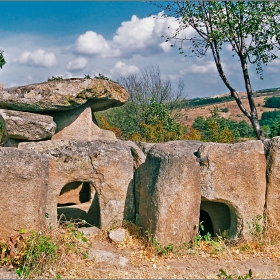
x=272 y=102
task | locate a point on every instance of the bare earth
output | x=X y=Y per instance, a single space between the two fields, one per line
x=233 y=113
x=188 y=266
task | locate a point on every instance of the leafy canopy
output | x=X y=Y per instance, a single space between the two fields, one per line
x=2 y=59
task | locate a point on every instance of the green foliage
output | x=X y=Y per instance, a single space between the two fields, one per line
x=272 y=102
x=55 y=78
x=270 y=123
x=219 y=129
x=102 y=77
x=87 y=76
x=224 y=275
x=41 y=253
x=257 y=227
x=129 y=118
x=161 y=250
x=2 y=59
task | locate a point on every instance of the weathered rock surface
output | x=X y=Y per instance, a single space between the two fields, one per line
x=26 y=126
x=105 y=256
x=107 y=165
x=78 y=124
x=117 y=235
x=168 y=193
x=64 y=95
x=23 y=184
x=90 y=231
x=234 y=175
x=273 y=182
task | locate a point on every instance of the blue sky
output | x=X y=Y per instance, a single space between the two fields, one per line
x=70 y=39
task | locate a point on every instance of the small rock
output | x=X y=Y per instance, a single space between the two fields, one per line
x=117 y=235
x=89 y=231
x=105 y=256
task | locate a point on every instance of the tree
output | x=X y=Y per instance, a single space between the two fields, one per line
x=250 y=28
x=142 y=87
x=2 y=59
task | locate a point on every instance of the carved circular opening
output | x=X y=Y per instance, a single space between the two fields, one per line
x=217 y=219
x=78 y=202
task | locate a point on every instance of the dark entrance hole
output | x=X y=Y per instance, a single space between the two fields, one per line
x=78 y=201
x=205 y=219
x=217 y=218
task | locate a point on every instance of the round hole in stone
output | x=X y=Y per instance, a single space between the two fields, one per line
x=217 y=218
x=78 y=201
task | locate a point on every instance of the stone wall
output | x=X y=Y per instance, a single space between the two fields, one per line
x=85 y=173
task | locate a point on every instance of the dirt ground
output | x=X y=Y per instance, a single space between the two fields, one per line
x=133 y=258
x=186 y=266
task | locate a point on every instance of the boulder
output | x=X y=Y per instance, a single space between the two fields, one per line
x=23 y=184
x=78 y=124
x=64 y=95
x=107 y=165
x=233 y=182
x=273 y=183
x=26 y=126
x=168 y=193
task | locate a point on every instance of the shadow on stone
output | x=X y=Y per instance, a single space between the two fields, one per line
x=217 y=219
x=78 y=202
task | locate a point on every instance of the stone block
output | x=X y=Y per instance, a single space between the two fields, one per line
x=233 y=175
x=23 y=185
x=107 y=165
x=273 y=183
x=168 y=193
x=26 y=126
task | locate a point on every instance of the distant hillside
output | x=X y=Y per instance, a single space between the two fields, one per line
x=192 y=108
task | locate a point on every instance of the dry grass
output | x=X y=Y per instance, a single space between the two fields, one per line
x=63 y=252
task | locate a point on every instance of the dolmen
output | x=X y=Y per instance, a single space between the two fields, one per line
x=57 y=164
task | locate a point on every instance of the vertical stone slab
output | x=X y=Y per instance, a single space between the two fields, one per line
x=168 y=193
x=273 y=182
x=235 y=175
x=23 y=185
x=78 y=124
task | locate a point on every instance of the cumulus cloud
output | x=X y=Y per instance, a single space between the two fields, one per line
x=91 y=43
x=121 y=69
x=144 y=35
x=78 y=64
x=37 y=58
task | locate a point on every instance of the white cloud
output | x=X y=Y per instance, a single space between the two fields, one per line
x=121 y=69
x=91 y=43
x=144 y=35
x=78 y=64
x=207 y=68
x=37 y=58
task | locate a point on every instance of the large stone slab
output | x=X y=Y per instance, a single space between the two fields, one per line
x=168 y=193
x=78 y=124
x=64 y=95
x=106 y=165
x=26 y=126
x=23 y=185
x=273 y=183
x=233 y=175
